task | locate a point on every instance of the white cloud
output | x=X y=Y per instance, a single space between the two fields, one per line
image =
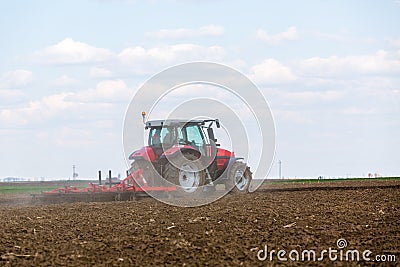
x=69 y=51
x=137 y=59
x=313 y=96
x=292 y=98
x=395 y=42
x=35 y=111
x=171 y=53
x=181 y=33
x=292 y=116
x=290 y=34
x=85 y=105
x=359 y=111
x=144 y=61
x=69 y=137
x=97 y=72
x=64 y=80
x=15 y=79
x=237 y=64
x=271 y=71
x=11 y=96
x=108 y=91
x=378 y=63
x=335 y=37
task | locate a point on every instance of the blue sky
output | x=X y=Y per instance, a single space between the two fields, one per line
x=330 y=71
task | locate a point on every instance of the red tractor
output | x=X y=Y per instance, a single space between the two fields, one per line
x=185 y=153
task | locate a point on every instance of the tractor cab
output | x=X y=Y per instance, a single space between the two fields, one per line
x=166 y=135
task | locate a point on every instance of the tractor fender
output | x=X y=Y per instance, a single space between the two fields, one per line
x=224 y=175
x=175 y=150
x=145 y=153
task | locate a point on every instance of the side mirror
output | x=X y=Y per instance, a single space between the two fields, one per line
x=217 y=123
x=211 y=136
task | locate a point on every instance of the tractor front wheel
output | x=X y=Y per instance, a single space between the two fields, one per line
x=239 y=178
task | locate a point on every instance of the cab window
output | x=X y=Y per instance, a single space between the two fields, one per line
x=194 y=135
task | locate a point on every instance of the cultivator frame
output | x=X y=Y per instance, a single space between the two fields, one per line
x=132 y=187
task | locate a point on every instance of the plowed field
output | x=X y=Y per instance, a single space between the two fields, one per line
x=229 y=232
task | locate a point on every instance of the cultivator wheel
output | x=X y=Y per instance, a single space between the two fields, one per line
x=239 y=178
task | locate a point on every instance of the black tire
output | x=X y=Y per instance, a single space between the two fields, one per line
x=149 y=173
x=176 y=174
x=239 y=178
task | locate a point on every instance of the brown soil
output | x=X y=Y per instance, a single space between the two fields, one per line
x=228 y=232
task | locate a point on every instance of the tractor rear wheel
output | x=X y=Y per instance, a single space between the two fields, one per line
x=239 y=178
x=186 y=174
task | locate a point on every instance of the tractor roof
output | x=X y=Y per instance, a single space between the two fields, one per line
x=176 y=122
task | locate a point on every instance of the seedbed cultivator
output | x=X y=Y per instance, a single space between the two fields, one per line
x=132 y=187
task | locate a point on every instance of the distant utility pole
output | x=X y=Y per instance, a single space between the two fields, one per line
x=280 y=169
x=74 y=174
